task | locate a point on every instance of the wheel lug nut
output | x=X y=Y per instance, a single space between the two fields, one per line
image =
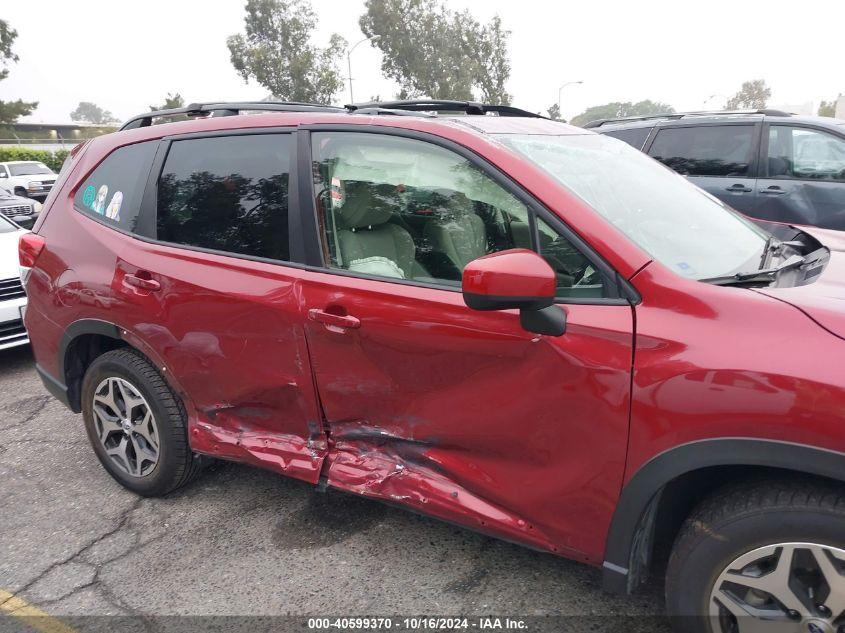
x=793 y=614
x=823 y=610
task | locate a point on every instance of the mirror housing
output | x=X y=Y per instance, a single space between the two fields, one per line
x=515 y=279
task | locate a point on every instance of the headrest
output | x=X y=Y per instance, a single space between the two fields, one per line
x=365 y=204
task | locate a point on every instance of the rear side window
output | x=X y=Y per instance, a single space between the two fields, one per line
x=227 y=193
x=113 y=191
x=635 y=137
x=711 y=150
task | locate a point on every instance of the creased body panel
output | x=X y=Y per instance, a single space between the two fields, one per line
x=466 y=416
x=230 y=330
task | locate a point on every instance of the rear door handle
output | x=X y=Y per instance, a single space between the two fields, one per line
x=334 y=320
x=142 y=283
x=738 y=188
x=774 y=190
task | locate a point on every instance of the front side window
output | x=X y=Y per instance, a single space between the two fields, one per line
x=707 y=150
x=677 y=223
x=227 y=193
x=29 y=169
x=113 y=191
x=405 y=209
x=796 y=152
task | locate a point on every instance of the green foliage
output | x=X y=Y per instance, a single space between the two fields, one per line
x=827 y=108
x=10 y=110
x=434 y=52
x=171 y=102
x=91 y=113
x=554 y=112
x=53 y=160
x=754 y=95
x=276 y=51
x=621 y=109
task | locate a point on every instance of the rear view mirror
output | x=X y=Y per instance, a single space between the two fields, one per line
x=515 y=279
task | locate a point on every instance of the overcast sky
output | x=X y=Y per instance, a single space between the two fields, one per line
x=125 y=56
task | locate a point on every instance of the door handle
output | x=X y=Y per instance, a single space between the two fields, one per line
x=334 y=320
x=774 y=190
x=142 y=283
x=738 y=188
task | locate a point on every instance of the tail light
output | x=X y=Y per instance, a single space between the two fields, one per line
x=29 y=248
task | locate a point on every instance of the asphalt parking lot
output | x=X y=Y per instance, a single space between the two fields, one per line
x=240 y=541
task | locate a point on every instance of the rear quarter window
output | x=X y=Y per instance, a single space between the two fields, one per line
x=112 y=192
x=635 y=137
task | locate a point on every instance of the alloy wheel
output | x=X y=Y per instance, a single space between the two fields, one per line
x=782 y=588
x=126 y=426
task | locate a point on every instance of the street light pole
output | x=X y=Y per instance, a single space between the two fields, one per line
x=560 y=90
x=349 y=65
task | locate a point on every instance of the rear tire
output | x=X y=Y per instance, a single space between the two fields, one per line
x=136 y=424
x=750 y=535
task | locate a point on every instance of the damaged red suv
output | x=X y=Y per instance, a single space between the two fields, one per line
x=512 y=324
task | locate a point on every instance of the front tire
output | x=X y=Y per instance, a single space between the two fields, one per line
x=767 y=556
x=136 y=424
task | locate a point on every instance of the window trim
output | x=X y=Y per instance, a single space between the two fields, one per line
x=149 y=201
x=620 y=290
x=764 y=151
x=753 y=157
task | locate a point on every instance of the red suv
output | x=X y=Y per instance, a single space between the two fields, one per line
x=522 y=327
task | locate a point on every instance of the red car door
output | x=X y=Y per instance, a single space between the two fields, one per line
x=220 y=307
x=458 y=413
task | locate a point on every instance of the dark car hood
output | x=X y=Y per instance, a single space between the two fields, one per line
x=824 y=299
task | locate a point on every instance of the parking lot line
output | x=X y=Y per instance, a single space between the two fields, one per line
x=15 y=607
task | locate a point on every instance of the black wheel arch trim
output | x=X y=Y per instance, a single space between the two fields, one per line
x=641 y=495
x=74 y=331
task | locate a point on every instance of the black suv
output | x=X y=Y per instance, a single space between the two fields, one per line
x=767 y=164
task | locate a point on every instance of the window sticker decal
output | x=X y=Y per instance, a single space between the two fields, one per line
x=100 y=203
x=113 y=210
x=89 y=195
x=337 y=193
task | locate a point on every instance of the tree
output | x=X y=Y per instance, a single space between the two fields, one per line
x=621 y=109
x=276 y=51
x=828 y=108
x=10 y=110
x=754 y=95
x=171 y=102
x=554 y=112
x=92 y=113
x=437 y=53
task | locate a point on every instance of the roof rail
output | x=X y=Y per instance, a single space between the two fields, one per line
x=443 y=105
x=225 y=108
x=681 y=115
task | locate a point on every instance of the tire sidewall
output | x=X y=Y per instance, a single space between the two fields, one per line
x=694 y=571
x=165 y=470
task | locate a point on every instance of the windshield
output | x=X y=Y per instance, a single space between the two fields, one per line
x=677 y=223
x=29 y=169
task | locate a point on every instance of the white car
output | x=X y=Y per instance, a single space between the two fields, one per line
x=12 y=295
x=29 y=178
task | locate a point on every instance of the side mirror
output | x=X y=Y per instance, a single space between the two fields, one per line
x=515 y=279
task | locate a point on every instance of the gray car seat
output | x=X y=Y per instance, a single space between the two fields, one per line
x=363 y=230
x=457 y=233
